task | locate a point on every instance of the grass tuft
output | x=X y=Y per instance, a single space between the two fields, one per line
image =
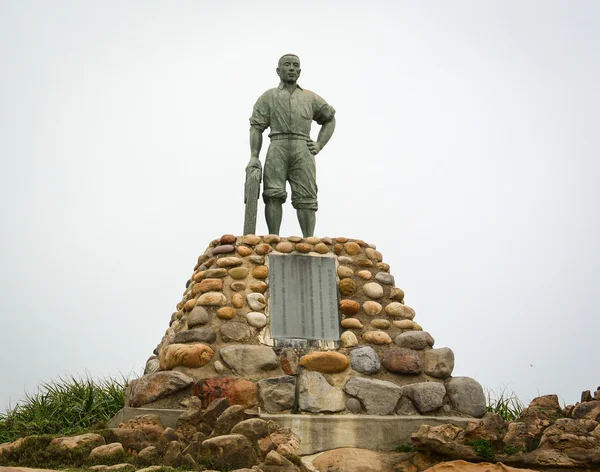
x=507 y=405
x=65 y=406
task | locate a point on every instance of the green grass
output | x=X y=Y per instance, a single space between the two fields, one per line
x=508 y=406
x=483 y=448
x=66 y=406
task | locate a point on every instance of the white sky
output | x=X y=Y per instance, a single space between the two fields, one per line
x=466 y=148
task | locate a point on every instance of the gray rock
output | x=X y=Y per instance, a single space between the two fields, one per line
x=214 y=410
x=232 y=451
x=248 y=360
x=406 y=408
x=151 y=387
x=379 y=397
x=353 y=405
x=234 y=331
x=277 y=394
x=466 y=396
x=152 y=365
x=148 y=454
x=414 y=340
x=228 y=419
x=438 y=363
x=198 y=316
x=173 y=454
x=365 y=360
x=253 y=428
x=224 y=249
x=200 y=335
x=317 y=396
x=427 y=396
x=384 y=278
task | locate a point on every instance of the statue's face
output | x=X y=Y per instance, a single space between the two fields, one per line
x=289 y=69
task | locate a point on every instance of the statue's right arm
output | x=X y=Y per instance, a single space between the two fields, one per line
x=256 y=139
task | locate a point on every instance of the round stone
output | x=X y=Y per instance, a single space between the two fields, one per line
x=187 y=355
x=189 y=305
x=365 y=274
x=260 y=272
x=228 y=261
x=365 y=360
x=258 y=287
x=377 y=337
x=312 y=240
x=351 y=248
x=304 y=248
x=198 y=275
x=321 y=248
x=372 y=308
x=198 y=316
x=211 y=273
x=373 y=254
x=351 y=323
x=353 y=405
x=362 y=262
x=263 y=249
x=373 y=290
x=417 y=340
x=244 y=251
x=344 y=271
x=337 y=249
x=237 y=300
x=271 y=238
x=284 y=246
x=349 y=307
x=347 y=287
x=402 y=361
x=251 y=239
x=209 y=262
x=256 y=301
x=348 y=339
x=400 y=310
x=380 y=323
x=256 y=319
x=238 y=286
x=404 y=324
x=219 y=367
x=328 y=362
x=345 y=260
x=326 y=240
x=212 y=299
x=397 y=294
x=208 y=285
x=382 y=266
x=226 y=313
x=384 y=278
x=417 y=327
x=227 y=239
x=224 y=249
x=360 y=242
x=238 y=273
x=295 y=239
x=256 y=259
x=341 y=240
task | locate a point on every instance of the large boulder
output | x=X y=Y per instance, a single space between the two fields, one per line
x=249 y=361
x=232 y=451
x=278 y=393
x=352 y=459
x=316 y=395
x=426 y=396
x=446 y=440
x=463 y=466
x=466 y=396
x=151 y=387
x=379 y=397
x=83 y=442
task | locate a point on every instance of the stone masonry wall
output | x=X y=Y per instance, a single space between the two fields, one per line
x=219 y=344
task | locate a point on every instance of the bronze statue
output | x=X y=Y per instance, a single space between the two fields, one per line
x=289 y=111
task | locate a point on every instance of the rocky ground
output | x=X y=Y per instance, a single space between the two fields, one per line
x=223 y=437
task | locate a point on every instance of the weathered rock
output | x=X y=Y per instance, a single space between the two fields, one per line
x=233 y=451
x=132 y=439
x=402 y=361
x=228 y=419
x=446 y=440
x=198 y=316
x=236 y=391
x=251 y=239
x=351 y=459
x=351 y=323
x=10 y=447
x=289 y=361
x=349 y=307
x=256 y=319
x=489 y=428
x=149 y=424
x=384 y=278
x=466 y=396
x=354 y=405
x=380 y=323
x=277 y=394
x=83 y=442
x=523 y=435
x=365 y=360
x=589 y=410
x=238 y=273
x=248 y=360
x=107 y=452
x=372 y=308
x=348 y=339
x=406 y=407
x=285 y=441
x=328 y=362
x=438 y=363
x=214 y=410
x=379 y=397
x=373 y=290
x=347 y=287
x=152 y=365
x=397 y=309
x=244 y=251
x=543 y=408
x=237 y=286
x=256 y=301
x=377 y=337
x=234 y=331
x=213 y=273
x=317 y=396
x=199 y=335
x=427 y=396
x=229 y=261
x=260 y=272
x=149 y=454
x=275 y=462
x=414 y=340
x=463 y=466
x=212 y=299
x=151 y=387
x=253 y=429
x=188 y=355
x=209 y=285
x=173 y=456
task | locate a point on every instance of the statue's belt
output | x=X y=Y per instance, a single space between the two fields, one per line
x=277 y=137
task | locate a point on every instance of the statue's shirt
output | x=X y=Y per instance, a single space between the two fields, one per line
x=290 y=113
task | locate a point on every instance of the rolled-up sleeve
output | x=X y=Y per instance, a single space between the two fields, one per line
x=260 y=113
x=322 y=111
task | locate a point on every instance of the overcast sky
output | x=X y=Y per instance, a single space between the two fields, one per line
x=466 y=149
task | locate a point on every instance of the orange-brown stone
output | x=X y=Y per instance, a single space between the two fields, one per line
x=321 y=248
x=227 y=239
x=258 y=287
x=329 y=362
x=263 y=249
x=349 y=307
x=244 y=251
x=377 y=337
x=347 y=287
x=189 y=305
x=228 y=261
x=303 y=247
x=341 y=240
x=237 y=300
x=382 y=266
x=351 y=323
x=374 y=254
x=251 y=239
x=237 y=391
x=209 y=285
x=284 y=246
x=187 y=355
x=351 y=248
x=212 y=299
x=362 y=262
x=260 y=272
x=226 y=313
x=337 y=249
x=396 y=294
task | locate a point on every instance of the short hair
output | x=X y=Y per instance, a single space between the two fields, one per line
x=286 y=55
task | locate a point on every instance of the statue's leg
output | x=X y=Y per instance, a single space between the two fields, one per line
x=274 y=178
x=302 y=175
x=273 y=215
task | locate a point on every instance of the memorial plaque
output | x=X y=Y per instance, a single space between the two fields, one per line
x=303 y=300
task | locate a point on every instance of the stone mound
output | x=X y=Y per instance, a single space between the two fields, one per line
x=220 y=343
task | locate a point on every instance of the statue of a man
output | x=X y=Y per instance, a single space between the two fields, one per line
x=289 y=111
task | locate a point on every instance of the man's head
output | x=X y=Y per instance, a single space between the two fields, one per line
x=288 y=68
